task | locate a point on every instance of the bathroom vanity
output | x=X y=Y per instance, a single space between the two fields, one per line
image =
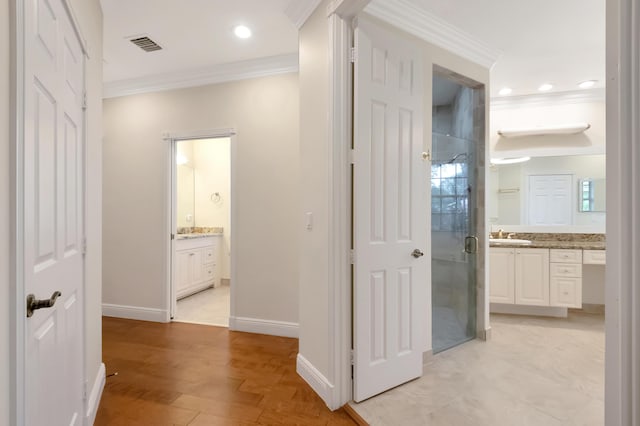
x=197 y=263
x=542 y=273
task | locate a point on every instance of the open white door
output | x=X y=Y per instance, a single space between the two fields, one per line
x=52 y=174
x=390 y=217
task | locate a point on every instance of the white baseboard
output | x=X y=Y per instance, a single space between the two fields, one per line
x=261 y=326
x=316 y=380
x=545 y=311
x=93 y=401
x=135 y=312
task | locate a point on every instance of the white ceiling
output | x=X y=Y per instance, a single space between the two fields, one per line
x=562 y=42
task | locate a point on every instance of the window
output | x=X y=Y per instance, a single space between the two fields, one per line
x=449 y=197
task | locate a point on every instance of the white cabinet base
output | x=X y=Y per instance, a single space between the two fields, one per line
x=542 y=311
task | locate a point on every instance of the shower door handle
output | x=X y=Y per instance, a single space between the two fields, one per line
x=471 y=244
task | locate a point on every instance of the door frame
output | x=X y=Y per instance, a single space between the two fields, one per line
x=17 y=314
x=171 y=212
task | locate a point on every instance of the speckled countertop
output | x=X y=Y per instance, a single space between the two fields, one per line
x=198 y=232
x=557 y=241
x=198 y=235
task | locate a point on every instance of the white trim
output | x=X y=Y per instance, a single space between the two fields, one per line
x=316 y=380
x=254 y=68
x=622 y=294
x=200 y=134
x=93 y=399
x=134 y=312
x=339 y=286
x=549 y=99
x=298 y=11
x=545 y=311
x=262 y=326
x=417 y=21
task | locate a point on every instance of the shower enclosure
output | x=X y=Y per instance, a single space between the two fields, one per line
x=458 y=132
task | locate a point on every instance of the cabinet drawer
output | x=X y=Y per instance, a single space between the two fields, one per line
x=594 y=257
x=566 y=256
x=209 y=272
x=209 y=255
x=566 y=269
x=566 y=292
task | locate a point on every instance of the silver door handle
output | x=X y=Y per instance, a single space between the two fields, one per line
x=35 y=304
x=417 y=253
x=471 y=244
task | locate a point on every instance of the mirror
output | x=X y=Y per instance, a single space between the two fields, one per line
x=518 y=192
x=185 y=185
x=592 y=195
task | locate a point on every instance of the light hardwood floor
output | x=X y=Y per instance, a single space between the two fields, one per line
x=189 y=374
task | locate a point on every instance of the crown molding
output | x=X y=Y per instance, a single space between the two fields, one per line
x=255 y=68
x=298 y=11
x=549 y=99
x=428 y=27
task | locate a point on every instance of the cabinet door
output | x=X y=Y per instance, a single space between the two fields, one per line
x=197 y=266
x=501 y=275
x=183 y=270
x=532 y=277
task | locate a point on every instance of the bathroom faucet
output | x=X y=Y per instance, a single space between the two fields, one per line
x=500 y=233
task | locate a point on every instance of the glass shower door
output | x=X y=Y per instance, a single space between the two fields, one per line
x=453 y=219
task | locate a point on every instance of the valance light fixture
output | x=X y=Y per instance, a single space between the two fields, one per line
x=563 y=129
x=510 y=160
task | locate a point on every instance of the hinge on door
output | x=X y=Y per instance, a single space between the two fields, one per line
x=84 y=99
x=352 y=358
x=173 y=237
x=352 y=55
x=84 y=246
x=352 y=256
x=85 y=387
x=352 y=156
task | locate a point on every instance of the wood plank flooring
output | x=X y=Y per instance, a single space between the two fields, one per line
x=189 y=374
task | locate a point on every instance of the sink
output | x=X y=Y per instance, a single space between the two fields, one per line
x=509 y=241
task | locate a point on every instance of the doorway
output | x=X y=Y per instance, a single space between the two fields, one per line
x=201 y=229
x=457 y=133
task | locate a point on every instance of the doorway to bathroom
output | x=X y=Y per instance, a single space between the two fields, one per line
x=457 y=139
x=201 y=231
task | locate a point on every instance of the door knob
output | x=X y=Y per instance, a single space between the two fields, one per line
x=417 y=253
x=34 y=304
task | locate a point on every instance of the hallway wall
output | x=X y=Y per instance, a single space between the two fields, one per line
x=264 y=112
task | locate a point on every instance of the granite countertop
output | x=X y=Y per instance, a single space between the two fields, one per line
x=584 y=245
x=197 y=235
x=555 y=240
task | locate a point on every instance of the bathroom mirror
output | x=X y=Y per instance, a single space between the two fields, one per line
x=592 y=195
x=512 y=194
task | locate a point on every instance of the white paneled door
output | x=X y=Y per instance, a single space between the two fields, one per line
x=390 y=217
x=52 y=172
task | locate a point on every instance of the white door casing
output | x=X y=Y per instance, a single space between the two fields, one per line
x=53 y=176
x=389 y=211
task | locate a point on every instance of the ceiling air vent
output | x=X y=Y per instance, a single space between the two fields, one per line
x=146 y=44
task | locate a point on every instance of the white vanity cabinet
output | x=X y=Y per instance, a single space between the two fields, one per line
x=566 y=278
x=502 y=275
x=196 y=263
x=519 y=275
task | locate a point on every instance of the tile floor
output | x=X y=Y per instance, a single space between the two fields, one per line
x=210 y=306
x=534 y=371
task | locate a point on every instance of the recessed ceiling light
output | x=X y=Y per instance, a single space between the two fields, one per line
x=242 y=32
x=545 y=87
x=505 y=91
x=587 y=84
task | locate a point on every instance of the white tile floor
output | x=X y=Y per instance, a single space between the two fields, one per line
x=210 y=306
x=534 y=371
